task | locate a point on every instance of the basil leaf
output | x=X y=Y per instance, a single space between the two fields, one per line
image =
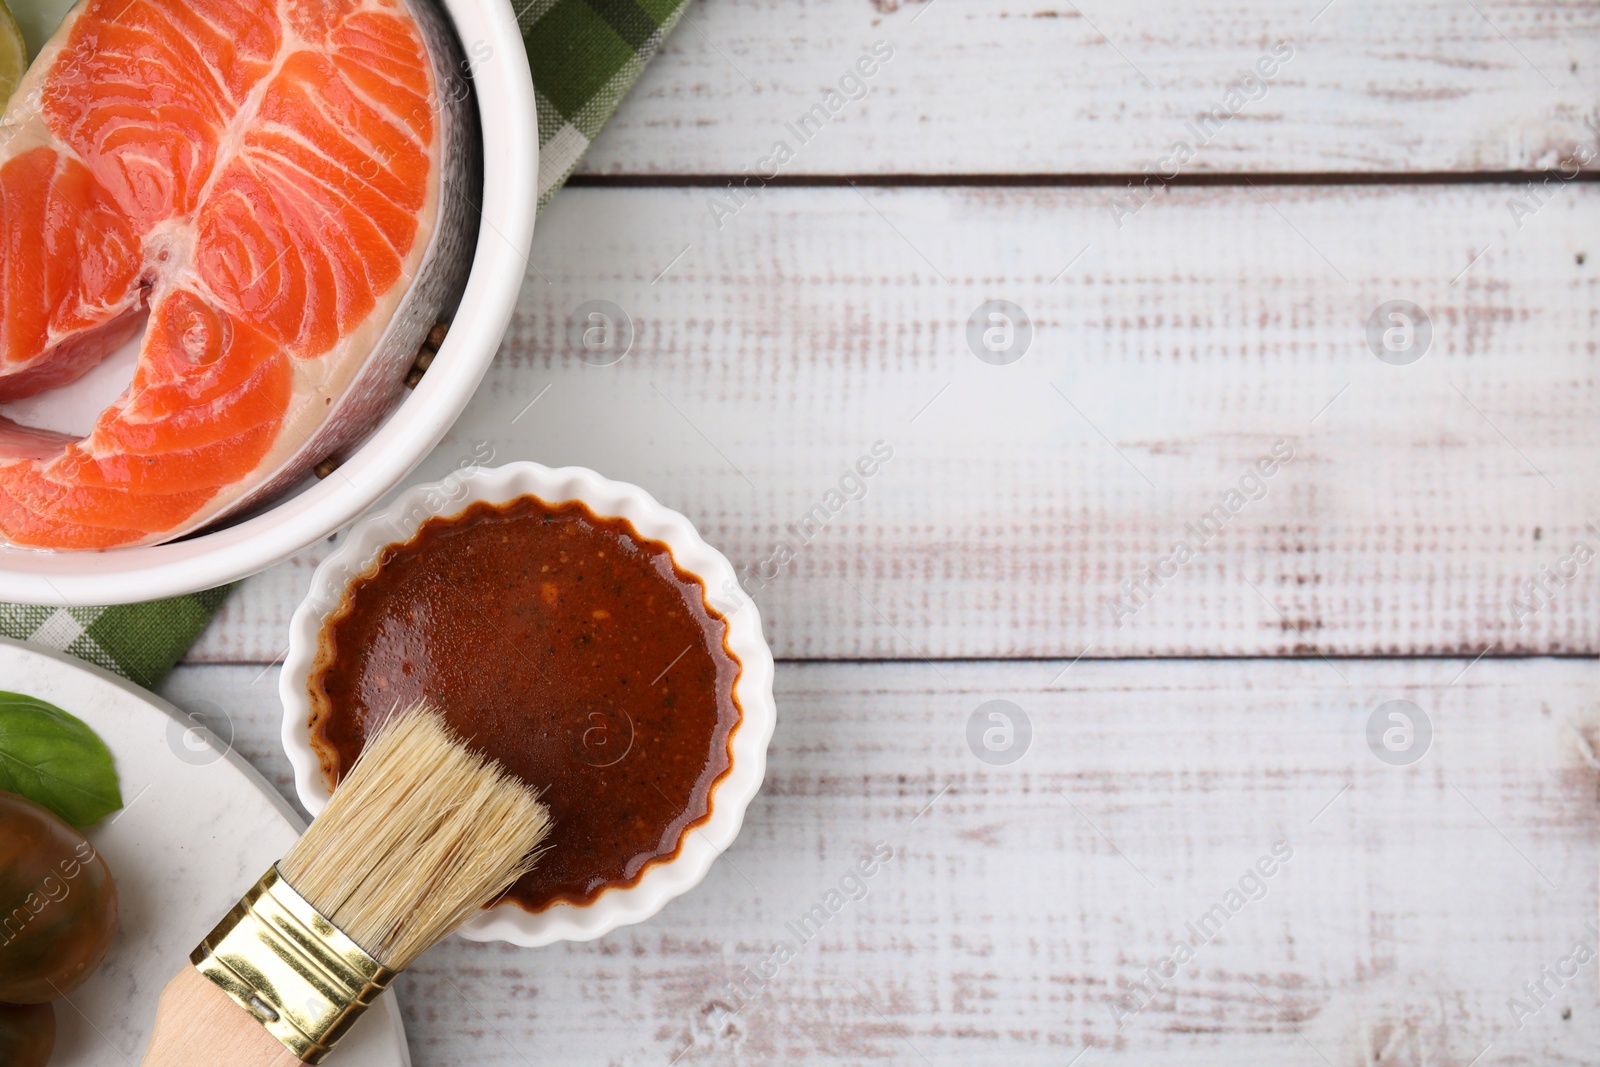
x=55 y=760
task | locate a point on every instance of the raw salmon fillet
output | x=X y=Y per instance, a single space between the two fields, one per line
x=273 y=192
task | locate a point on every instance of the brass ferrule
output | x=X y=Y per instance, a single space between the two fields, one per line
x=296 y=973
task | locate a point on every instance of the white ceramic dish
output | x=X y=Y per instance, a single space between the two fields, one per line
x=489 y=35
x=399 y=522
x=198 y=827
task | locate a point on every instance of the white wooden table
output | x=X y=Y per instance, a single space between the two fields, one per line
x=1176 y=739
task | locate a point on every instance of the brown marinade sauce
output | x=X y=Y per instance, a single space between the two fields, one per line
x=563 y=645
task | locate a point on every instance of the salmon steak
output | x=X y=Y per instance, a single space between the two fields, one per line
x=277 y=194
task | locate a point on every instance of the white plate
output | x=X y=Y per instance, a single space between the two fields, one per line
x=489 y=35
x=398 y=522
x=199 y=827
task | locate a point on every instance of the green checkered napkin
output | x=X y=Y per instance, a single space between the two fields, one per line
x=585 y=55
x=138 y=641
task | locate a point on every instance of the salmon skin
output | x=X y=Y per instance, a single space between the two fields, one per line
x=278 y=193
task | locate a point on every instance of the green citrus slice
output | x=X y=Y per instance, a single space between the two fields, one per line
x=13 y=54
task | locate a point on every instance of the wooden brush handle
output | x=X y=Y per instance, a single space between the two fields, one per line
x=197 y=1025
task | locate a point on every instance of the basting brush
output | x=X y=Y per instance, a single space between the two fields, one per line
x=419 y=835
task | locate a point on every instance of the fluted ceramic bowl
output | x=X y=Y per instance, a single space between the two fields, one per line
x=400 y=521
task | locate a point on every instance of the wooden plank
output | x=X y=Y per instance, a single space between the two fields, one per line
x=1024 y=902
x=1011 y=87
x=1169 y=357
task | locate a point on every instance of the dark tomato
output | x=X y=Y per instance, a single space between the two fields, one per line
x=27 y=1034
x=58 y=905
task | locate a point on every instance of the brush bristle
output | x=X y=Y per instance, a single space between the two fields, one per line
x=419 y=835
